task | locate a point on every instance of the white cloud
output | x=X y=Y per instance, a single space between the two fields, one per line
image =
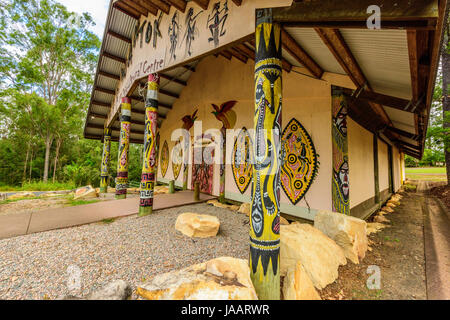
x=98 y=9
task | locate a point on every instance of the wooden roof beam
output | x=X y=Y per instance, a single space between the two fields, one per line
x=179 y=4
x=113 y=57
x=336 y=44
x=382 y=99
x=202 y=3
x=104 y=90
x=109 y=75
x=172 y=79
x=403 y=133
x=143 y=9
x=119 y=36
x=238 y=55
x=349 y=13
x=101 y=104
x=237 y=2
x=124 y=8
x=296 y=51
x=158 y=4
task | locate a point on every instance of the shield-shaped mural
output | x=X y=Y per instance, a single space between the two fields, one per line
x=164 y=158
x=241 y=161
x=299 y=161
x=177 y=159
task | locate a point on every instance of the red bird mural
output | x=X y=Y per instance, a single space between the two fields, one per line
x=188 y=121
x=225 y=114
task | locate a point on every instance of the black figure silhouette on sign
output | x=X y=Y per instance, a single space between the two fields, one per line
x=216 y=21
x=174 y=30
x=191 y=29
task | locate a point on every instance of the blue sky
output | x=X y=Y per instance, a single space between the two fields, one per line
x=98 y=9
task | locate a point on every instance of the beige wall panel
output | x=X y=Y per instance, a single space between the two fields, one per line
x=383 y=165
x=361 y=168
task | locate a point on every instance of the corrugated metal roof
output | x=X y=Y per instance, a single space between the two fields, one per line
x=383 y=57
x=310 y=41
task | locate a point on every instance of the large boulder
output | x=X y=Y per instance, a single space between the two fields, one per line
x=298 y=286
x=319 y=255
x=283 y=221
x=219 y=279
x=87 y=192
x=197 y=225
x=348 y=232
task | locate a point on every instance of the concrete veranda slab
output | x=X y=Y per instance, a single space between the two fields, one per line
x=44 y=220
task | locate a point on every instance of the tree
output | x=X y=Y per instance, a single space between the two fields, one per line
x=45 y=55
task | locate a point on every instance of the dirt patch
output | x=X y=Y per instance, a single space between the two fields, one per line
x=398 y=252
x=31 y=205
x=442 y=193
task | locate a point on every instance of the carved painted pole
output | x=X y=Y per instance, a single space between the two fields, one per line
x=105 y=160
x=223 y=131
x=265 y=212
x=124 y=146
x=150 y=155
x=340 y=179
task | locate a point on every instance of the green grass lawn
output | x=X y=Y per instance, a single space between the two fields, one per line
x=428 y=173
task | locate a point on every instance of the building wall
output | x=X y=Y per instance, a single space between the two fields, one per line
x=383 y=165
x=396 y=168
x=218 y=80
x=361 y=167
x=308 y=100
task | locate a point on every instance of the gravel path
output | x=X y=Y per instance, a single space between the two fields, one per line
x=132 y=249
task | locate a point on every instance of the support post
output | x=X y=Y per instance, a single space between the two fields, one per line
x=186 y=155
x=196 y=191
x=104 y=175
x=149 y=163
x=340 y=179
x=265 y=211
x=124 y=146
x=171 y=186
x=222 y=165
x=376 y=172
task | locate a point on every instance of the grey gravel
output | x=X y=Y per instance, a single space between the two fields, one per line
x=45 y=265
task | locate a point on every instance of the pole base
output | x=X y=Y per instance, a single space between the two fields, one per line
x=103 y=189
x=222 y=199
x=145 y=211
x=121 y=196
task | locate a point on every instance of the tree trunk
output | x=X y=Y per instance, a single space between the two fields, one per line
x=58 y=146
x=31 y=165
x=48 y=145
x=446 y=104
x=26 y=162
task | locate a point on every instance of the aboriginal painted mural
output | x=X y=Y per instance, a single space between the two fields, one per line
x=241 y=162
x=177 y=159
x=340 y=182
x=188 y=122
x=203 y=165
x=299 y=161
x=164 y=159
x=265 y=210
x=227 y=116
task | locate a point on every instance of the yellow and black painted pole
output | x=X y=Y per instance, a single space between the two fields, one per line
x=340 y=179
x=104 y=175
x=150 y=152
x=124 y=145
x=265 y=211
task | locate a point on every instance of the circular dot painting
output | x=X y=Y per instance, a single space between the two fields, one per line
x=299 y=161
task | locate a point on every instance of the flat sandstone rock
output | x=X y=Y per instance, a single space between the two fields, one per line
x=348 y=232
x=223 y=278
x=298 y=286
x=197 y=225
x=320 y=256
